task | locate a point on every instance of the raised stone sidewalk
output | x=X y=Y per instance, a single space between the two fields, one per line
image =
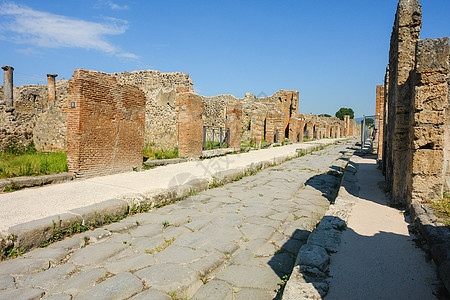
x=238 y=241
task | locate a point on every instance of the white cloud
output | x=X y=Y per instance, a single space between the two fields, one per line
x=116 y=6
x=42 y=29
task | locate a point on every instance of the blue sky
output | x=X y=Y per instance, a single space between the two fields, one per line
x=333 y=52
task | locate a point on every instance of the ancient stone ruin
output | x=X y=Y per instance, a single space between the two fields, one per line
x=413 y=126
x=174 y=117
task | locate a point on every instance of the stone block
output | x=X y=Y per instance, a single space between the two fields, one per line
x=431 y=97
x=190 y=124
x=432 y=55
x=428 y=137
x=427 y=161
x=427 y=187
x=429 y=117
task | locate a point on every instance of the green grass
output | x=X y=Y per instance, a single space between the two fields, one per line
x=26 y=161
x=152 y=154
x=442 y=209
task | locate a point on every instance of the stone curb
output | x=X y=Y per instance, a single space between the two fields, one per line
x=30 y=235
x=308 y=278
x=29 y=181
x=163 y=162
x=437 y=236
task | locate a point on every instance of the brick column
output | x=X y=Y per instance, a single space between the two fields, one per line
x=234 y=123
x=51 y=87
x=190 y=124
x=8 y=85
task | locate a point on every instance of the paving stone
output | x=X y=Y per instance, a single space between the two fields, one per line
x=7 y=282
x=245 y=294
x=171 y=278
x=174 y=232
x=120 y=226
x=179 y=255
x=282 y=263
x=225 y=199
x=192 y=239
x=23 y=266
x=130 y=263
x=68 y=243
x=249 y=277
x=48 y=279
x=245 y=258
x=252 y=230
x=149 y=230
x=223 y=232
x=22 y=294
x=208 y=264
x=120 y=238
x=59 y=297
x=121 y=286
x=96 y=253
x=95 y=235
x=292 y=246
x=151 y=294
x=80 y=282
x=145 y=244
x=54 y=255
x=224 y=247
x=215 y=289
x=196 y=224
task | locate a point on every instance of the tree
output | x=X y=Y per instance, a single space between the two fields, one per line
x=324 y=115
x=345 y=111
x=369 y=122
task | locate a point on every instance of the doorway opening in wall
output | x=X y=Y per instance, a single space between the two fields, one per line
x=286 y=132
x=331 y=133
x=314 y=132
x=264 y=130
x=305 y=132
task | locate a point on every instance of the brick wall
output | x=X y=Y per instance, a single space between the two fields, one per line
x=190 y=124
x=234 y=123
x=105 y=129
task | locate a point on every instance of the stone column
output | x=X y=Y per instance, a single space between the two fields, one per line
x=8 y=85
x=51 y=87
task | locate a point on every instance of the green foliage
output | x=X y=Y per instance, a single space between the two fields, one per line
x=26 y=161
x=345 y=111
x=442 y=209
x=153 y=154
x=369 y=122
x=325 y=115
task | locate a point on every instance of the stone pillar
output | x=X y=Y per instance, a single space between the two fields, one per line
x=234 y=123
x=190 y=124
x=405 y=34
x=51 y=88
x=346 y=125
x=8 y=85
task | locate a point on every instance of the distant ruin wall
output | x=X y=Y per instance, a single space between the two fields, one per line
x=106 y=123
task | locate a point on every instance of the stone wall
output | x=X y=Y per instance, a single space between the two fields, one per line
x=416 y=143
x=160 y=90
x=429 y=127
x=106 y=123
x=190 y=124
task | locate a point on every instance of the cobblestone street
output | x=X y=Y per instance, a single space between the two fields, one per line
x=237 y=241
